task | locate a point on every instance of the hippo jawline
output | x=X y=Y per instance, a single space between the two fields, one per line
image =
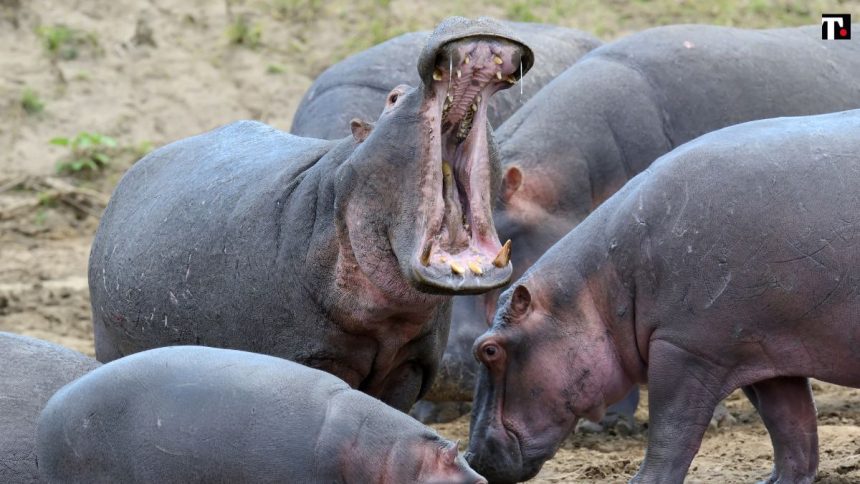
x=460 y=251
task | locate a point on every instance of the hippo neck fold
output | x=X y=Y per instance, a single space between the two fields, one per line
x=613 y=244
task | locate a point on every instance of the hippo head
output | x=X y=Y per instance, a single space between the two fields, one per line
x=438 y=461
x=422 y=179
x=542 y=369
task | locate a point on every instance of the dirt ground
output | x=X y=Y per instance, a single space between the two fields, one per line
x=161 y=70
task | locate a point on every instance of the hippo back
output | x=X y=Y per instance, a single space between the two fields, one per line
x=357 y=86
x=31 y=371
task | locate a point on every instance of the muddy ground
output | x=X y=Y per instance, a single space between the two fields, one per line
x=148 y=72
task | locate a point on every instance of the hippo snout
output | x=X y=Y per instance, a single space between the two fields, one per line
x=497 y=457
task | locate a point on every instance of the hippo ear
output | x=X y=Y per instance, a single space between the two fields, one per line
x=450 y=452
x=360 y=129
x=511 y=182
x=520 y=300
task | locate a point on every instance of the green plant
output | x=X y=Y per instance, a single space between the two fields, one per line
x=88 y=152
x=241 y=32
x=64 y=42
x=275 y=69
x=30 y=101
x=40 y=217
x=47 y=199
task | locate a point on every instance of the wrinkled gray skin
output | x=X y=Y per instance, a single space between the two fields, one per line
x=356 y=87
x=31 y=370
x=732 y=262
x=194 y=414
x=329 y=253
x=618 y=109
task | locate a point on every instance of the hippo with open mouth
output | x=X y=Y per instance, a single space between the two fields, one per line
x=341 y=255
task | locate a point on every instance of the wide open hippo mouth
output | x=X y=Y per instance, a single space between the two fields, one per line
x=459 y=251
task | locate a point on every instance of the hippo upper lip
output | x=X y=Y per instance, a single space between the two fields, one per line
x=515 y=436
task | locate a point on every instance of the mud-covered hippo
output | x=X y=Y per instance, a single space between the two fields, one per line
x=358 y=85
x=196 y=414
x=732 y=262
x=341 y=255
x=617 y=110
x=31 y=370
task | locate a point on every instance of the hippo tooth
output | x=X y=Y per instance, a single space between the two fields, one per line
x=474 y=267
x=450 y=98
x=425 y=256
x=504 y=255
x=511 y=79
x=457 y=268
x=499 y=75
x=466 y=60
x=446 y=169
x=474 y=107
x=437 y=75
x=498 y=60
x=459 y=73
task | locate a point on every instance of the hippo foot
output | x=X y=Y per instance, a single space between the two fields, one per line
x=721 y=418
x=777 y=477
x=439 y=412
x=615 y=424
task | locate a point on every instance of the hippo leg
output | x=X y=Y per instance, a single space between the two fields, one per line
x=788 y=410
x=683 y=391
x=403 y=386
x=619 y=416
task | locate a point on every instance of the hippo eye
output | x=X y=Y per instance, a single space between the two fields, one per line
x=392 y=98
x=490 y=351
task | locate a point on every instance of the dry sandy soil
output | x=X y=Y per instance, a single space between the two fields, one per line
x=160 y=70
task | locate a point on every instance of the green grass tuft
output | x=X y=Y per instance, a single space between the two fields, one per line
x=30 y=102
x=88 y=153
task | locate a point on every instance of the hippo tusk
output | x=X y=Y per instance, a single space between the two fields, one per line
x=504 y=256
x=498 y=60
x=457 y=268
x=437 y=75
x=425 y=256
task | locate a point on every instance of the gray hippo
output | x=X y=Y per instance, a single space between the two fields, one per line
x=195 y=414
x=31 y=370
x=617 y=110
x=340 y=255
x=356 y=87
x=732 y=262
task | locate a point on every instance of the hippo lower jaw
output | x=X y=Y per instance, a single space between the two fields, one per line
x=459 y=250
